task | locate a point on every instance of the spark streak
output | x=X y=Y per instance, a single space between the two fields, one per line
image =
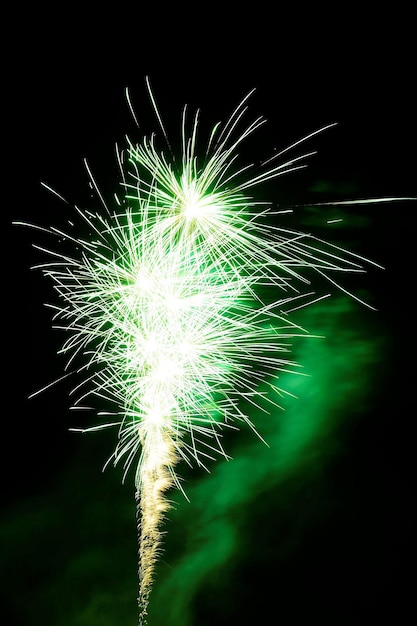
x=174 y=306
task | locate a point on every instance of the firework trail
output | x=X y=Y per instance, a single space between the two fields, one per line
x=176 y=305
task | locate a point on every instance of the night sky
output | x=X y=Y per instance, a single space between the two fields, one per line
x=318 y=526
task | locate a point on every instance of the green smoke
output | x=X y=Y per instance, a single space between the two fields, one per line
x=219 y=527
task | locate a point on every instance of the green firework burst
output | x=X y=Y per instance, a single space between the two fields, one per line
x=178 y=305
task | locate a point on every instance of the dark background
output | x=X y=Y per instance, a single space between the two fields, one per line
x=64 y=96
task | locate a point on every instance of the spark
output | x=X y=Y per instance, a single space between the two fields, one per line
x=176 y=308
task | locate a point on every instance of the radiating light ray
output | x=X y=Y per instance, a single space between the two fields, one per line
x=178 y=308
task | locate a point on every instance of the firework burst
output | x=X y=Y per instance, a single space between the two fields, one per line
x=176 y=307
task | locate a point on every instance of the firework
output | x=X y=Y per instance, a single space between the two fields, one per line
x=177 y=306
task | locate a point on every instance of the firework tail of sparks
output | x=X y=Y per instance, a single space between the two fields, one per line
x=162 y=306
